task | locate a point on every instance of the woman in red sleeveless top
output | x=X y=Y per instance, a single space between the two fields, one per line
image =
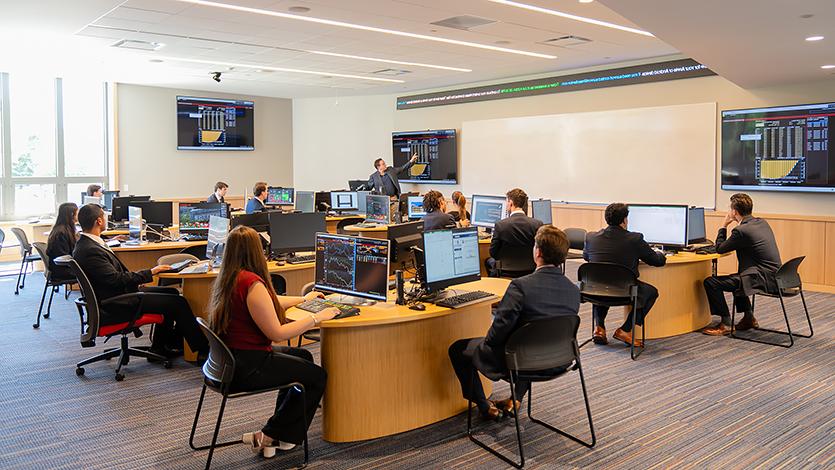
x=248 y=316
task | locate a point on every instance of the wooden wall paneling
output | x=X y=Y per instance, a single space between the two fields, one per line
x=829 y=254
x=589 y=218
x=802 y=238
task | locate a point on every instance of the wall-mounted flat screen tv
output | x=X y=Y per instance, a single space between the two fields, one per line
x=215 y=124
x=437 y=153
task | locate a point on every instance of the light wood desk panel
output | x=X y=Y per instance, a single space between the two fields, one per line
x=137 y=258
x=829 y=255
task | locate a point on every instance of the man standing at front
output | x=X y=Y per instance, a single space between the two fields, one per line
x=385 y=180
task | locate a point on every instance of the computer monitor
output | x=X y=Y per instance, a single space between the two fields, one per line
x=259 y=221
x=696 y=225
x=402 y=237
x=119 y=211
x=194 y=216
x=322 y=199
x=356 y=266
x=541 y=210
x=134 y=224
x=661 y=224
x=403 y=201
x=362 y=199
x=487 y=210
x=377 y=209
x=450 y=257
x=91 y=200
x=108 y=199
x=294 y=232
x=279 y=196
x=218 y=231
x=159 y=213
x=344 y=200
x=305 y=201
x=358 y=185
x=414 y=207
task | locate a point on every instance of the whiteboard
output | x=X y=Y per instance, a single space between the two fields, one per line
x=662 y=155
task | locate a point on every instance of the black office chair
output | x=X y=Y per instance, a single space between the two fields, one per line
x=610 y=285
x=26 y=257
x=51 y=282
x=789 y=284
x=314 y=334
x=539 y=351
x=576 y=241
x=218 y=372
x=198 y=251
x=340 y=226
x=517 y=261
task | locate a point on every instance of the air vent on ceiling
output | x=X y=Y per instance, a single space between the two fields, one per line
x=391 y=72
x=138 y=45
x=464 y=22
x=566 y=41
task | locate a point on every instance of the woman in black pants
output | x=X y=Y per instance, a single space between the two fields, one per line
x=248 y=316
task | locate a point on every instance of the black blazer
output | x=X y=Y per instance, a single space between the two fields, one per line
x=213 y=199
x=375 y=181
x=545 y=293
x=107 y=274
x=515 y=231
x=756 y=253
x=60 y=245
x=616 y=245
x=437 y=220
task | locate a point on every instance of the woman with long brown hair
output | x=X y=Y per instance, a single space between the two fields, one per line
x=247 y=314
x=62 y=239
x=461 y=216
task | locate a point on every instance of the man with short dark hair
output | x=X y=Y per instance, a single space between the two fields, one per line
x=758 y=260
x=544 y=294
x=94 y=190
x=218 y=197
x=385 y=180
x=615 y=244
x=436 y=216
x=256 y=203
x=513 y=237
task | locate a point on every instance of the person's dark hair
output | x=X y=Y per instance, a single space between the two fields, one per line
x=552 y=243
x=742 y=203
x=459 y=200
x=519 y=199
x=64 y=224
x=432 y=201
x=616 y=212
x=221 y=185
x=88 y=214
x=93 y=188
x=260 y=188
x=377 y=163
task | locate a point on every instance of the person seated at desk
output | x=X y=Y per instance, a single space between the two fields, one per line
x=218 y=196
x=246 y=313
x=615 y=244
x=461 y=215
x=758 y=260
x=513 y=234
x=436 y=216
x=385 y=180
x=62 y=239
x=94 y=190
x=544 y=294
x=110 y=278
x=256 y=203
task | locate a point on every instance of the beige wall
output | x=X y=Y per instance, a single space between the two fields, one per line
x=335 y=139
x=149 y=162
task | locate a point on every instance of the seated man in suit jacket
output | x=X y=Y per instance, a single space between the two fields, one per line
x=513 y=236
x=436 y=216
x=110 y=278
x=256 y=203
x=385 y=180
x=758 y=261
x=219 y=196
x=615 y=244
x=543 y=294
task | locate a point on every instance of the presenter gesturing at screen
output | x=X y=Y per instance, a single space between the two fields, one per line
x=385 y=180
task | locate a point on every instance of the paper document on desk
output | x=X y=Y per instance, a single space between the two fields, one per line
x=201 y=268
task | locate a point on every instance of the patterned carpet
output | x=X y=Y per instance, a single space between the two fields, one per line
x=689 y=402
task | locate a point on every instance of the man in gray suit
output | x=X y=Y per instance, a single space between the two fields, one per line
x=385 y=180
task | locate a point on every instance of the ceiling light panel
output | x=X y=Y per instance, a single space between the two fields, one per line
x=570 y=16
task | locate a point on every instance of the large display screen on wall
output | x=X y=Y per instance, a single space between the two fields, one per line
x=214 y=124
x=783 y=148
x=437 y=155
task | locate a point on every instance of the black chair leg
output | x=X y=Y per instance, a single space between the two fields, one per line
x=107 y=355
x=28 y=265
x=18 y=285
x=213 y=445
x=49 y=304
x=37 y=323
x=66 y=291
x=643 y=333
x=788 y=331
x=559 y=431
x=473 y=378
x=592 y=331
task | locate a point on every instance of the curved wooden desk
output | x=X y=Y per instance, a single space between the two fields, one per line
x=332 y=221
x=389 y=370
x=380 y=231
x=483 y=254
x=139 y=257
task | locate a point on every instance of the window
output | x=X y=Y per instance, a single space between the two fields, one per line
x=84 y=128
x=34 y=199
x=32 y=122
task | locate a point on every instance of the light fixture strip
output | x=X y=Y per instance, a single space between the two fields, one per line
x=572 y=17
x=389 y=61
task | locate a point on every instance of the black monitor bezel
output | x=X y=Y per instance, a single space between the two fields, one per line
x=128 y=200
x=363 y=295
x=279 y=219
x=686 y=221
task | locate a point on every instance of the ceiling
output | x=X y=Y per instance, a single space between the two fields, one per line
x=267 y=49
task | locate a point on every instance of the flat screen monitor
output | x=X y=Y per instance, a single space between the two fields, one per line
x=781 y=148
x=119 y=211
x=450 y=257
x=437 y=152
x=215 y=124
x=259 y=221
x=135 y=224
x=218 y=231
x=344 y=200
x=294 y=232
x=402 y=237
x=322 y=199
x=279 y=196
x=414 y=207
x=487 y=210
x=541 y=209
x=355 y=266
x=92 y=200
x=696 y=225
x=305 y=201
x=108 y=199
x=660 y=224
x=357 y=185
x=194 y=216
x=377 y=209
x=159 y=213
x=362 y=200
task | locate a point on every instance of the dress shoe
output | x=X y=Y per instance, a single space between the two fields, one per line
x=492 y=413
x=748 y=322
x=599 y=336
x=719 y=330
x=626 y=337
x=506 y=406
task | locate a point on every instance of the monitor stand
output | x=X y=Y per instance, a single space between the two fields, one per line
x=351 y=300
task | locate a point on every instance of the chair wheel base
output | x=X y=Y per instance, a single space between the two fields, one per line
x=46 y=315
x=120 y=377
x=79 y=371
x=35 y=326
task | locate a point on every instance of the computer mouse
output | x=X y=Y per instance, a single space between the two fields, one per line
x=280 y=262
x=420 y=307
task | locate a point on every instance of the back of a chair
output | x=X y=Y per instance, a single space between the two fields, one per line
x=606 y=280
x=176 y=258
x=25 y=247
x=787 y=276
x=517 y=259
x=279 y=283
x=2 y=238
x=220 y=365
x=543 y=344
x=87 y=300
x=576 y=238
x=340 y=226
x=40 y=248
x=198 y=251
x=307 y=288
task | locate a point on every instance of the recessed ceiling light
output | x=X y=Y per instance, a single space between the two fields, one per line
x=572 y=17
x=827 y=67
x=299 y=9
x=586 y=1
x=399 y=62
x=373 y=29
x=156 y=61
x=806 y=16
x=814 y=38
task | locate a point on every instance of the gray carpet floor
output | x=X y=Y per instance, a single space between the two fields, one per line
x=691 y=401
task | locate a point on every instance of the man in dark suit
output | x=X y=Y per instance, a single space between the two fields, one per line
x=256 y=202
x=385 y=180
x=110 y=278
x=513 y=239
x=615 y=244
x=218 y=197
x=758 y=258
x=436 y=216
x=543 y=294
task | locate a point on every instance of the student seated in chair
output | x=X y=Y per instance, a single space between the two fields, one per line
x=220 y=193
x=436 y=216
x=615 y=244
x=249 y=317
x=110 y=278
x=513 y=234
x=256 y=203
x=94 y=190
x=62 y=239
x=544 y=294
x=460 y=212
x=758 y=260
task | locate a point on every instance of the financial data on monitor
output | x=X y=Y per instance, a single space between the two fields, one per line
x=352 y=265
x=279 y=196
x=664 y=225
x=450 y=254
x=343 y=200
x=487 y=210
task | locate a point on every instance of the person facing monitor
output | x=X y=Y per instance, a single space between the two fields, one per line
x=436 y=216
x=460 y=212
x=385 y=180
x=94 y=190
x=513 y=239
x=256 y=203
x=219 y=196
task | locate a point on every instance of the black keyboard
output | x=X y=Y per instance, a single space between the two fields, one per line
x=367 y=225
x=301 y=259
x=317 y=305
x=464 y=299
x=193 y=237
x=706 y=250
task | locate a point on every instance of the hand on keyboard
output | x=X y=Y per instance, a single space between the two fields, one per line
x=328 y=314
x=314 y=295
